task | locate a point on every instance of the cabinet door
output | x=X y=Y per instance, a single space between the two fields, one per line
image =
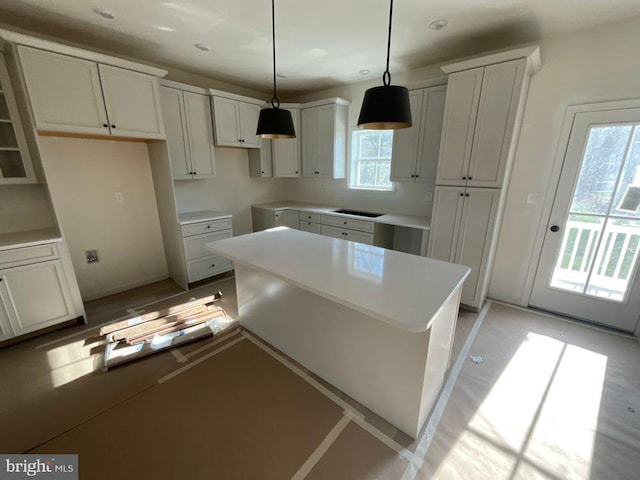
x=430 y=133
x=461 y=108
x=249 y=114
x=326 y=132
x=293 y=219
x=6 y=331
x=405 y=143
x=15 y=159
x=226 y=122
x=280 y=218
x=499 y=101
x=172 y=103
x=476 y=234
x=35 y=296
x=286 y=151
x=333 y=232
x=445 y=223
x=360 y=237
x=64 y=91
x=310 y=141
x=133 y=102
x=200 y=135
x=260 y=160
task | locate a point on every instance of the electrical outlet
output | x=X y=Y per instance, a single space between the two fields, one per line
x=91 y=256
x=429 y=197
x=119 y=197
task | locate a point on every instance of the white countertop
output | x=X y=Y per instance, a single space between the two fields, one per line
x=29 y=238
x=412 y=221
x=397 y=288
x=201 y=216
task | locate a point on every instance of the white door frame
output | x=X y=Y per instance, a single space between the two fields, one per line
x=554 y=180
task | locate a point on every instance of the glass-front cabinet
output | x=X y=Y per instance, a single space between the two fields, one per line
x=15 y=162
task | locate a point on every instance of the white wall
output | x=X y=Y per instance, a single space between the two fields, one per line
x=233 y=191
x=24 y=207
x=587 y=67
x=83 y=176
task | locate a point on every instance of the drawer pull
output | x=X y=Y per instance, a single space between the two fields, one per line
x=213 y=265
x=208 y=226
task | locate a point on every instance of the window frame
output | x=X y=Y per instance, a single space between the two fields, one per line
x=353 y=165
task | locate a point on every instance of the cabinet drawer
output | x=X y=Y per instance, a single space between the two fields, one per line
x=310 y=217
x=207 y=267
x=344 y=222
x=206 y=227
x=310 y=227
x=24 y=256
x=194 y=246
x=346 y=234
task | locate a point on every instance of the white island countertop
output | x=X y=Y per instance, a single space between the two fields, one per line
x=412 y=221
x=397 y=288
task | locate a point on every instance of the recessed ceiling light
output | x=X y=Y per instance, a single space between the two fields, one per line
x=438 y=24
x=104 y=13
x=202 y=46
x=281 y=75
x=364 y=71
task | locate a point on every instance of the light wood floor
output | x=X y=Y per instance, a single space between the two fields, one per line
x=231 y=407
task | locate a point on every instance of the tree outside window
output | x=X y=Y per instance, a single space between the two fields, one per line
x=371 y=159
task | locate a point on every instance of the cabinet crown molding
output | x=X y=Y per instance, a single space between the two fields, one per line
x=326 y=101
x=21 y=39
x=531 y=53
x=234 y=96
x=183 y=86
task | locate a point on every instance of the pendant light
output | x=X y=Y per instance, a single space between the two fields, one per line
x=386 y=107
x=275 y=122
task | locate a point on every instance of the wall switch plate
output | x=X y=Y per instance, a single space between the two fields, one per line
x=119 y=197
x=91 y=256
x=429 y=197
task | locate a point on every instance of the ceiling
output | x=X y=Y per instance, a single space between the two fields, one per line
x=320 y=44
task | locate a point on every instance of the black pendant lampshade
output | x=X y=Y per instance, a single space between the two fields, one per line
x=386 y=107
x=274 y=122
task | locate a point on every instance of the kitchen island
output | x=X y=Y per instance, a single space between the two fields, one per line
x=375 y=323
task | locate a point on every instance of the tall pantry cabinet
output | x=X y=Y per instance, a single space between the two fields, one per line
x=484 y=105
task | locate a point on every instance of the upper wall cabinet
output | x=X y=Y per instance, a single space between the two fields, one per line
x=286 y=151
x=415 y=149
x=189 y=131
x=479 y=122
x=74 y=95
x=324 y=139
x=235 y=120
x=15 y=160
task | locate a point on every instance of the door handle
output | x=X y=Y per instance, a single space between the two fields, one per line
x=555 y=228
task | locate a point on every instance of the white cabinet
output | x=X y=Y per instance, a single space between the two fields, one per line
x=479 y=121
x=462 y=231
x=35 y=290
x=201 y=263
x=15 y=159
x=347 y=234
x=260 y=160
x=69 y=94
x=292 y=219
x=286 y=151
x=236 y=120
x=416 y=149
x=323 y=140
x=311 y=227
x=189 y=131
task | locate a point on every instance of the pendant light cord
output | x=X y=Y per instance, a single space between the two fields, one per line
x=274 y=101
x=386 y=76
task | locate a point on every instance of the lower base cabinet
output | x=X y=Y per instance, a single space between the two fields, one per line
x=347 y=234
x=35 y=290
x=201 y=263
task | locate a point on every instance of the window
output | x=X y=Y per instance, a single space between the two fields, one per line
x=371 y=159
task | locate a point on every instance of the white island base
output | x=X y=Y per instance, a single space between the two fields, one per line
x=393 y=366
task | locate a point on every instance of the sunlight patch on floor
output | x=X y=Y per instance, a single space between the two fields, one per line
x=70 y=362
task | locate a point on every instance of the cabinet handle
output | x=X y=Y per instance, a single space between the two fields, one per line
x=466 y=195
x=554 y=229
x=464 y=178
x=262 y=172
x=462 y=194
x=213 y=265
x=345 y=223
x=470 y=178
x=113 y=126
x=105 y=125
x=208 y=226
x=296 y=171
